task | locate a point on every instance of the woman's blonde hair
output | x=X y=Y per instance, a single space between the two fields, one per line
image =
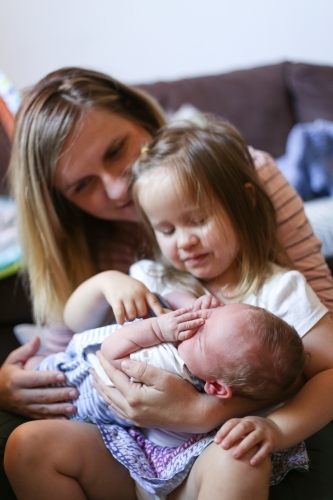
x=213 y=167
x=53 y=232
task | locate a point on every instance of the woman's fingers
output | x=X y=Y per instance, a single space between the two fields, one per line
x=21 y=355
x=143 y=402
x=28 y=392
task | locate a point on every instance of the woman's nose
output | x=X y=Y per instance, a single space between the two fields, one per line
x=116 y=188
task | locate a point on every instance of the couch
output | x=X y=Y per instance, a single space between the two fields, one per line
x=264 y=103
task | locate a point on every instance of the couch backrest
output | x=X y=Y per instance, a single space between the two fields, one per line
x=263 y=103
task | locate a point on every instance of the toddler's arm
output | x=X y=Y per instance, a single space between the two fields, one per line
x=182 y=298
x=32 y=362
x=171 y=327
x=109 y=295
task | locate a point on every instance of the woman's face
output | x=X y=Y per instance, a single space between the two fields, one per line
x=94 y=161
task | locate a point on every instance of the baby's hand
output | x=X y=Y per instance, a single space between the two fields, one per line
x=206 y=302
x=129 y=298
x=249 y=432
x=178 y=325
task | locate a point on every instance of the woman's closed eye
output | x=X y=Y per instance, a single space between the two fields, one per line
x=114 y=151
x=83 y=184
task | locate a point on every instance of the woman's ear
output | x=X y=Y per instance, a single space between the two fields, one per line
x=251 y=191
x=218 y=389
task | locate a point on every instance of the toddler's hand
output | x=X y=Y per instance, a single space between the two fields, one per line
x=178 y=325
x=250 y=431
x=129 y=298
x=206 y=302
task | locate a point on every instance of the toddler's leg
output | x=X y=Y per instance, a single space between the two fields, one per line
x=218 y=476
x=52 y=459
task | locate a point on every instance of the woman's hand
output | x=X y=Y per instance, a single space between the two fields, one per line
x=25 y=392
x=251 y=432
x=157 y=401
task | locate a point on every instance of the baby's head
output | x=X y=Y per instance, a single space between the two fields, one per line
x=210 y=171
x=244 y=350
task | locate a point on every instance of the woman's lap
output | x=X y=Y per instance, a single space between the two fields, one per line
x=317 y=484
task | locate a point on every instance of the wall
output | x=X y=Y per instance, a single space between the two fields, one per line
x=146 y=40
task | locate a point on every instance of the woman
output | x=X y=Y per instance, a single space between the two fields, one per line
x=77 y=134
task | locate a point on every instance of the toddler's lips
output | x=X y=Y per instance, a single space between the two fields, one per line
x=195 y=259
x=128 y=203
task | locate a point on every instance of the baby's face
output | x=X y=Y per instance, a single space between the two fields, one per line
x=222 y=335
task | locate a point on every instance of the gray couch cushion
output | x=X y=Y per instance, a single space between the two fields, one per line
x=311 y=88
x=255 y=100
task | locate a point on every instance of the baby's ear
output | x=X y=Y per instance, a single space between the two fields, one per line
x=218 y=389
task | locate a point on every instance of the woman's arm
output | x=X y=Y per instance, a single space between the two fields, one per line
x=294 y=229
x=107 y=295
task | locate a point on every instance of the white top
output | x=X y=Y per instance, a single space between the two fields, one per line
x=285 y=293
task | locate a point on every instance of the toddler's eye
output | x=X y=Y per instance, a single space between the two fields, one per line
x=199 y=221
x=168 y=232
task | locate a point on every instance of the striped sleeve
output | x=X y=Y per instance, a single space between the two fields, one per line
x=294 y=229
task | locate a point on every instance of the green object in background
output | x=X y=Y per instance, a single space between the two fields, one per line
x=11 y=259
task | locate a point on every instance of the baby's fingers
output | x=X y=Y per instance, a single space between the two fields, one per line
x=189 y=328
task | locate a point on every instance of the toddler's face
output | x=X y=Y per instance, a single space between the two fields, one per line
x=202 y=244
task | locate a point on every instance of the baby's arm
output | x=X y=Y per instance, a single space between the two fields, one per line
x=108 y=295
x=171 y=327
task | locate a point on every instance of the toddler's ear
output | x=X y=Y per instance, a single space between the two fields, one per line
x=218 y=389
